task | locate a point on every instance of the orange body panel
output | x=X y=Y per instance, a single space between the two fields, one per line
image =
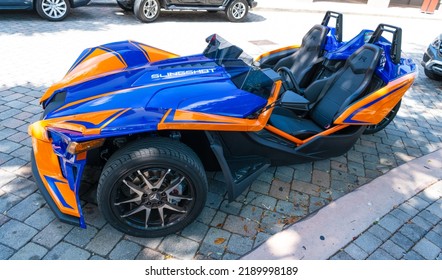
x=101 y=119
x=49 y=166
x=99 y=62
x=298 y=141
x=374 y=107
x=187 y=120
x=156 y=54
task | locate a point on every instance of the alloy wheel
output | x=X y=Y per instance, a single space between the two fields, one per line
x=238 y=10
x=54 y=8
x=153 y=197
x=150 y=9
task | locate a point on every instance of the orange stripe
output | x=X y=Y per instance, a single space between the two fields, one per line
x=157 y=54
x=165 y=115
x=298 y=141
x=38 y=129
x=326 y=132
x=377 y=111
x=203 y=121
x=98 y=130
x=276 y=51
x=284 y=134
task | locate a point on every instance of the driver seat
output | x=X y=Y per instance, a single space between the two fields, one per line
x=340 y=90
x=302 y=63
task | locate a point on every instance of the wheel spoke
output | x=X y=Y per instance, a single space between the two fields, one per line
x=172 y=185
x=145 y=180
x=161 y=180
x=133 y=187
x=134 y=211
x=180 y=197
x=135 y=199
x=146 y=219
x=161 y=212
x=175 y=208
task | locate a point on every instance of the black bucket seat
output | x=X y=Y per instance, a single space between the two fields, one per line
x=337 y=92
x=300 y=66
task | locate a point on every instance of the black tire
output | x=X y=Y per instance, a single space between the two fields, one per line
x=124 y=7
x=432 y=76
x=371 y=129
x=165 y=201
x=59 y=12
x=147 y=10
x=237 y=10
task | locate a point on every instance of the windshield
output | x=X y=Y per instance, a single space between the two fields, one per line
x=224 y=52
x=239 y=66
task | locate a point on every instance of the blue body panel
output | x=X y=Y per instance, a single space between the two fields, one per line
x=194 y=83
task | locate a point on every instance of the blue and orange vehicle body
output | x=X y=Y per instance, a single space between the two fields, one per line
x=128 y=89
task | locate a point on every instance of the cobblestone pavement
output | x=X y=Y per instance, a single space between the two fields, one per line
x=34 y=53
x=412 y=231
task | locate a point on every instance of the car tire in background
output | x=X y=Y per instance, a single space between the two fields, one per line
x=147 y=10
x=432 y=76
x=237 y=10
x=53 y=10
x=124 y=7
x=152 y=187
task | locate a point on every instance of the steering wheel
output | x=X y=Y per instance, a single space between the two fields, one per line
x=284 y=72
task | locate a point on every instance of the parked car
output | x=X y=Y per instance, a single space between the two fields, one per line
x=154 y=122
x=53 y=10
x=149 y=10
x=432 y=60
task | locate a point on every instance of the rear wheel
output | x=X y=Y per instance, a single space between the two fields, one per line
x=432 y=76
x=147 y=10
x=371 y=129
x=237 y=10
x=152 y=187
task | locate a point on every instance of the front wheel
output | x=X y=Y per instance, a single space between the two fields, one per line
x=53 y=10
x=152 y=187
x=371 y=129
x=237 y=10
x=147 y=10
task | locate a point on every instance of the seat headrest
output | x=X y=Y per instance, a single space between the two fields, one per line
x=315 y=37
x=366 y=57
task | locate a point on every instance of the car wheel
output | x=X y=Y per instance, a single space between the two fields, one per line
x=124 y=7
x=371 y=129
x=152 y=187
x=147 y=10
x=237 y=10
x=431 y=75
x=53 y=10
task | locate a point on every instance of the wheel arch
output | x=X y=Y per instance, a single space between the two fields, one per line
x=227 y=3
x=196 y=140
x=71 y=3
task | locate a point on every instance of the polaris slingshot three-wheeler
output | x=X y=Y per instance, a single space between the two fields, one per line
x=155 y=121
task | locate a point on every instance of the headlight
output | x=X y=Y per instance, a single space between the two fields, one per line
x=65 y=147
x=437 y=44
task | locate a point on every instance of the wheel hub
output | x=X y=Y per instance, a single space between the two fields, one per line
x=157 y=192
